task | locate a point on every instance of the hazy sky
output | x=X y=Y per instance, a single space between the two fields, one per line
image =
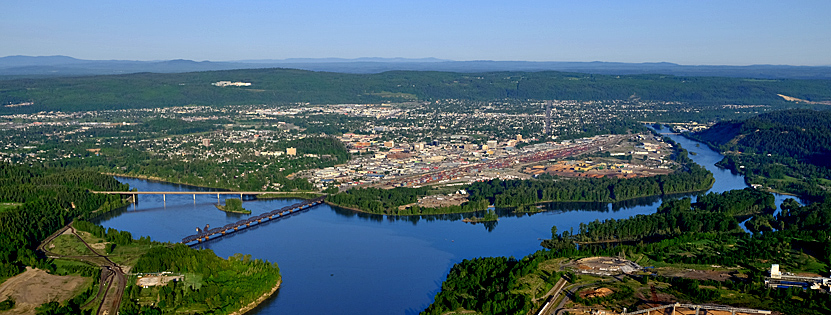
x=687 y=32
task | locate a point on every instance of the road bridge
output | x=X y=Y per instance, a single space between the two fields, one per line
x=194 y=193
x=209 y=233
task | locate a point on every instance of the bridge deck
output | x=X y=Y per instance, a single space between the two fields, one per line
x=244 y=223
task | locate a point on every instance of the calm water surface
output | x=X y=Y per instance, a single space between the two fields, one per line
x=337 y=261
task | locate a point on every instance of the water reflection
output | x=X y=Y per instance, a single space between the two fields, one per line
x=548 y=207
x=333 y=258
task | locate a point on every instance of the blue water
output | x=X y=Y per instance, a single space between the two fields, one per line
x=335 y=260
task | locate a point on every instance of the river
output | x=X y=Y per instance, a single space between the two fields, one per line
x=335 y=260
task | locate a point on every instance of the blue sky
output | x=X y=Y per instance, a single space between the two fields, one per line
x=721 y=32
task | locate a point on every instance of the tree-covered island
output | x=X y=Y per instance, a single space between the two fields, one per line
x=233 y=205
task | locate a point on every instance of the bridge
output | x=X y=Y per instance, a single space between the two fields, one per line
x=209 y=233
x=194 y=193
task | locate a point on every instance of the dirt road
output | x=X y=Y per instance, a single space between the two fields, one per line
x=112 y=281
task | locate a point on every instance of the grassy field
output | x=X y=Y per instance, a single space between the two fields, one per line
x=122 y=255
x=69 y=245
x=8 y=205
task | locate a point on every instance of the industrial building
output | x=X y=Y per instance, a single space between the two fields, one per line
x=778 y=279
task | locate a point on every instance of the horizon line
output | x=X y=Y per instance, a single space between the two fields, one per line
x=414 y=59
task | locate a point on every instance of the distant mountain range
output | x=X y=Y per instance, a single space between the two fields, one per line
x=51 y=66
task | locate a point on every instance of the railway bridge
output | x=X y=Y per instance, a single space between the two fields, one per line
x=213 y=233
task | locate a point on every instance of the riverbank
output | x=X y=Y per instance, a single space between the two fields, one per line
x=162 y=180
x=259 y=300
x=530 y=208
x=396 y=215
x=266 y=195
x=289 y=195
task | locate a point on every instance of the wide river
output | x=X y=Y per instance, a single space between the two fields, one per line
x=337 y=261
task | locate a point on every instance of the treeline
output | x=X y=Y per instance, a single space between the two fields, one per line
x=471 y=205
x=226 y=285
x=110 y=235
x=712 y=213
x=388 y=201
x=377 y=200
x=737 y=202
x=801 y=134
x=143 y=90
x=50 y=198
x=513 y=193
x=488 y=285
x=781 y=173
x=787 y=150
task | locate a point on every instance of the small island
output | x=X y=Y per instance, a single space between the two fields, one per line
x=233 y=205
x=488 y=217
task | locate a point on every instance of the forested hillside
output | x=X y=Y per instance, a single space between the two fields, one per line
x=788 y=151
x=278 y=86
x=801 y=134
x=680 y=235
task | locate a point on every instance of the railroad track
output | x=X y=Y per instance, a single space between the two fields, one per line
x=112 y=276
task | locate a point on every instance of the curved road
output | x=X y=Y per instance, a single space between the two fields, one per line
x=112 y=277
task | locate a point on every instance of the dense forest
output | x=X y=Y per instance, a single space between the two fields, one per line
x=681 y=232
x=48 y=199
x=489 y=285
x=711 y=213
x=275 y=86
x=788 y=151
x=801 y=134
x=226 y=284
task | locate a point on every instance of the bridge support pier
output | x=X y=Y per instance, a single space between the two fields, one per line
x=217 y=198
x=164 y=197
